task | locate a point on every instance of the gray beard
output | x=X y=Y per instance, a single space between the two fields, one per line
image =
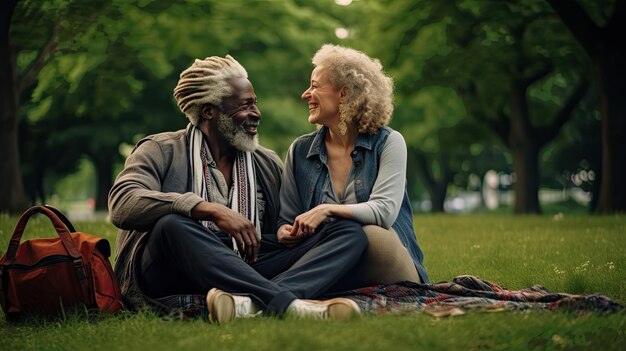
x=235 y=135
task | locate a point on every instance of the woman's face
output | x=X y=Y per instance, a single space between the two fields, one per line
x=322 y=98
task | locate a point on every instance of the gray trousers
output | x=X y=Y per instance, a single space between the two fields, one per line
x=183 y=257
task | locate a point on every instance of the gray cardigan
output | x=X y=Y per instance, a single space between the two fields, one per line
x=155 y=181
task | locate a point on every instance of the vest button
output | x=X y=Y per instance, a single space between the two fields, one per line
x=358 y=182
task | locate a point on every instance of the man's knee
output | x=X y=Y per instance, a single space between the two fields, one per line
x=167 y=225
x=170 y=221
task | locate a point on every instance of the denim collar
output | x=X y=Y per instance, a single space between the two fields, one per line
x=318 y=148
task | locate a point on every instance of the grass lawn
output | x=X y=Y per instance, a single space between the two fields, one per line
x=577 y=254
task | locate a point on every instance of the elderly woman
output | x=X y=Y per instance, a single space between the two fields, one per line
x=352 y=168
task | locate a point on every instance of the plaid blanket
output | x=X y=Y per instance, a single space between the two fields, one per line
x=467 y=292
x=441 y=299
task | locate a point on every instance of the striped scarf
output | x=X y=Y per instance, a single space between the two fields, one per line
x=243 y=198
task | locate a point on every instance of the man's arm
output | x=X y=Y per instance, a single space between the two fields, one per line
x=136 y=201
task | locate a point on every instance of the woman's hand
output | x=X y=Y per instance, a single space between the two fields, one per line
x=306 y=223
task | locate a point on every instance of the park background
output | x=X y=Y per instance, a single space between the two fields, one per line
x=514 y=106
x=512 y=110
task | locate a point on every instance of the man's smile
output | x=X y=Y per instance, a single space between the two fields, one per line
x=250 y=128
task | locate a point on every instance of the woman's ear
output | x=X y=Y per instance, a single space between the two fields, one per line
x=343 y=92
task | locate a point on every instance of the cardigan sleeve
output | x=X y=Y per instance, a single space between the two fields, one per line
x=136 y=200
x=384 y=203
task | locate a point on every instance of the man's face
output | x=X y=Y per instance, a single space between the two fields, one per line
x=240 y=118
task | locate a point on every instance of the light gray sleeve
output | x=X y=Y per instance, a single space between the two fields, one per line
x=384 y=202
x=136 y=201
x=290 y=206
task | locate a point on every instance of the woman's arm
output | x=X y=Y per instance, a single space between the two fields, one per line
x=384 y=203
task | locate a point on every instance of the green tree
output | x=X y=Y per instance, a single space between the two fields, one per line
x=81 y=98
x=599 y=27
x=116 y=82
x=496 y=56
x=578 y=150
x=32 y=34
x=439 y=137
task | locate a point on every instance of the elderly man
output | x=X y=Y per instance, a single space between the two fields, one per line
x=192 y=205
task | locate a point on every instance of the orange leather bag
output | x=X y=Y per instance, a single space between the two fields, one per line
x=48 y=276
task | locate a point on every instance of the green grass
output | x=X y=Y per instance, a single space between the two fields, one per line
x=574 y=254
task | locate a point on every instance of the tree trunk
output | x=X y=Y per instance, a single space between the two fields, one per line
x=526 y=186
x=605 y=47
x=104 y=170
x=525 y=153
x=437 y=188
x=12 y=196
x=438 y=197
x=611 y=78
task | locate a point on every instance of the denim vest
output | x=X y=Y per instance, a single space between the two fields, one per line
x=310 y=171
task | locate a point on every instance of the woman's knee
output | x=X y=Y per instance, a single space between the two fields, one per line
x=386 y=259
x=350 y=229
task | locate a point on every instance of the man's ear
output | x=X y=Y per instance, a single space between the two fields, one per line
x=208 y=111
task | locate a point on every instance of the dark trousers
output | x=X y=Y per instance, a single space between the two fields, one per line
x=183 y=257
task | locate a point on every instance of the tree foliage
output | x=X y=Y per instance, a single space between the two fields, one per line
x=108 y=72
x=32 y=34
x=88 y=79
x=496 y=57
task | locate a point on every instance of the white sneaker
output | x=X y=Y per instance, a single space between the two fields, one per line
x=337 y=308
x=224 y=307
x=245 y=308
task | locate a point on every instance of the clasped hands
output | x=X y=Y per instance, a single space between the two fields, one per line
x=244 y=232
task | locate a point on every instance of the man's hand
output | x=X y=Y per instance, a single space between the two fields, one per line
x=233 y=224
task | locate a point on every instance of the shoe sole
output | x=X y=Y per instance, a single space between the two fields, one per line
x=221 y=306
x=342 y=308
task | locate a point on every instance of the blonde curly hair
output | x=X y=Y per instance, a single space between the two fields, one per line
x=370 y=89
x=206 y=82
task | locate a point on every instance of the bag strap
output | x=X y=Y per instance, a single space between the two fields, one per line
x=59 y=226
x=62 y=217
x=62 y=226
x=83 y=272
